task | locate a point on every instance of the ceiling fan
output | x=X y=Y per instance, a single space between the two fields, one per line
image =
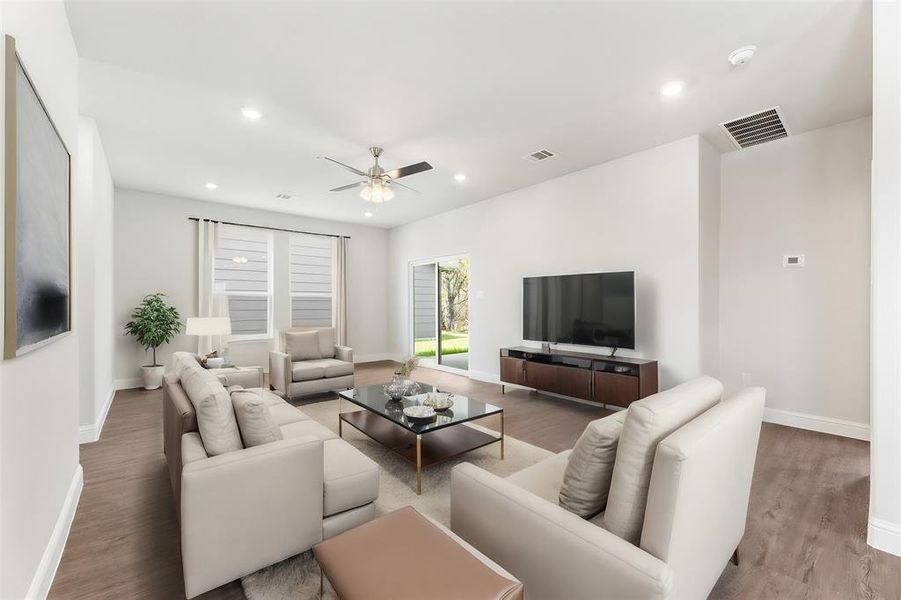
x=378 y=182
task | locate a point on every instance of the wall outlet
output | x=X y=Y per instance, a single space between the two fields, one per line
x=746 y=380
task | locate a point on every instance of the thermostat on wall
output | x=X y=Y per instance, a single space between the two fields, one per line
x=790 y=261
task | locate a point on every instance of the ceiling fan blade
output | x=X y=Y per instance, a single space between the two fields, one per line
x=348 y=167
x=349 y=186
x=408 y=170
x=399 y=184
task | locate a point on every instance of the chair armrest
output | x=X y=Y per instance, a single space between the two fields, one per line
x=248 y=509
x=279 y=371
x=555 y=553
x=344 y=353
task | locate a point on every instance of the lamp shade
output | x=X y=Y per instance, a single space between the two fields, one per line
x=208 y=326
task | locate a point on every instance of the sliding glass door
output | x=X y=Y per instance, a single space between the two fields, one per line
x=440 y=319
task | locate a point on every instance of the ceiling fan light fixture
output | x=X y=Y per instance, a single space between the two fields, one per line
x=377 y=193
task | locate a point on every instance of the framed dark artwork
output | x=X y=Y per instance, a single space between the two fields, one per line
x=37 y=217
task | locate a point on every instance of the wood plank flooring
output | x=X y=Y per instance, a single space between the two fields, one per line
x=806 y=534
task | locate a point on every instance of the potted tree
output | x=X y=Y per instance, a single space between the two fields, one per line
x=153 y=323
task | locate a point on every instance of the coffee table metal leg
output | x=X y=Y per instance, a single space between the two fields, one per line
x=339 y=416
x=502 y=436
x=418 y=464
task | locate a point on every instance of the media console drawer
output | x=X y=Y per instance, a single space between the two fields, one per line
x=615 y=389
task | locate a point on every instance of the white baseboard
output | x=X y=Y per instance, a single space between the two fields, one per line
x=365 y=358
x=884 y=536
x=91 y=433
x=850 y=429
x=128 y=383
x=46 y=571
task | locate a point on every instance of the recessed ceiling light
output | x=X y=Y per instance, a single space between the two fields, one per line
x=211 y=186
x=672 y=88
x=251 y=113
x=367 y=214
x=460 y=177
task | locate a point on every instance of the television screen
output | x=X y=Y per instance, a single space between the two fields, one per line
x=592 y=309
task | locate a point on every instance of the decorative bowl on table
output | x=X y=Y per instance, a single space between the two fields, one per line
x=439 y=400
x=419 y=413
x=400 y=387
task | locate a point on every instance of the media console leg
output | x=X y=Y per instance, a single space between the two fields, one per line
x=503 y=389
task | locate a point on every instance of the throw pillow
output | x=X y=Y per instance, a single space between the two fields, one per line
x=254 y=419
x=648 y=421
x=213 y=407
x=586 y=480
x=327 y=342
x=302 y=345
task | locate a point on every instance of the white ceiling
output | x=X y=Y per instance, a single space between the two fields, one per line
x=469 y=87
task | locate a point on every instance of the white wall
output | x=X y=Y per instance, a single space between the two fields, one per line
x=709 y=187
x=802 y=333
x=884 y=531
x=93 y=217
x=156 y=250
x=40 y=478
x=636 y=213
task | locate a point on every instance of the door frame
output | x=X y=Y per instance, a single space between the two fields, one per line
x=411 y=303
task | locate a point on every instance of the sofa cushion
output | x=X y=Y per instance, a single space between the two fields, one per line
x=351 y=478
x=586 y=481
x=184 y=360
x=307 y=370
x=192 y=448
x=647 y=423
x=269 y=399
x=215 y=415
x=327 y=342
x=284 y=413
x=255 y=422
x=543 y=478
x=334 y=367
x=307 y=427
x=302 y=345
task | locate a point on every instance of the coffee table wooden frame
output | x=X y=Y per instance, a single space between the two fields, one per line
x=421 y=449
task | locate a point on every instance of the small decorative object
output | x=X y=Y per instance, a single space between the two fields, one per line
x=400 y=386
x=215 y=362
x=440 y=401
x=408 y=366
x=419 y=413
x=153 y=323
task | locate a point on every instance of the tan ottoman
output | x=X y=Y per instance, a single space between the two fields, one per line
x=405 y=556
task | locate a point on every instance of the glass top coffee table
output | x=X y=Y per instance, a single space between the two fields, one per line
x=423 y=443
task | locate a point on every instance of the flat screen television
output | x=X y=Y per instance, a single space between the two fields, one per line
x=591 y=309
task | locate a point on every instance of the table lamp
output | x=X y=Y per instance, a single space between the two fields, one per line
x=211 y=326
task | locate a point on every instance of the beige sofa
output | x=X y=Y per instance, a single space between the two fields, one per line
x=331 y=368
x=690 y=501
x=246 y=509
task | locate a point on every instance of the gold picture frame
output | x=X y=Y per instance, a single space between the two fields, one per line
x=33 y=309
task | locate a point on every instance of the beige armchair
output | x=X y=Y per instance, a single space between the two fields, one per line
x=694 y=518
x=311 y=363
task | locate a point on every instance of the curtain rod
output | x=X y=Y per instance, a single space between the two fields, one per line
x=334 y=235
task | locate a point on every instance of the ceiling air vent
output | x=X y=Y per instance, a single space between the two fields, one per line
x=539 y=156
x=750 y=130
x=284 y=196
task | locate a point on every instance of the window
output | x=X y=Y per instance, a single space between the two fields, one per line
x=312 y=264
x=243 y=275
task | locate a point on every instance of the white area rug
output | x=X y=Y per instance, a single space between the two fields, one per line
x=298 y=577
